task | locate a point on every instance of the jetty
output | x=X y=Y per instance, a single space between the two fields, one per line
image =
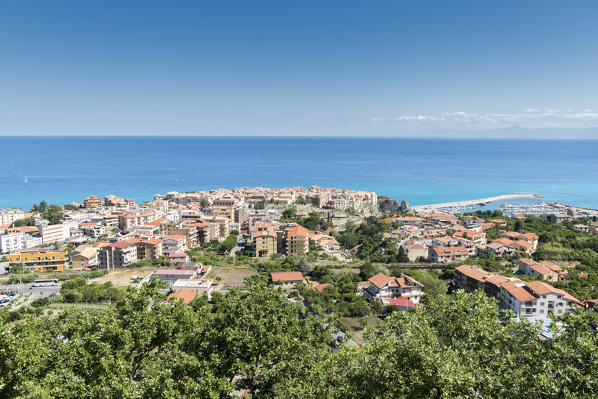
x=481 y=201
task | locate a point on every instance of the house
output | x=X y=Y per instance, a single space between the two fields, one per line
x=543 y=270
x=416 y=251
x=286 y=278
x=197 y=286
x=84 y=256
x=172 y=275
x=581 y=227
x=177 y=257
x=478 y=237
x=561 y=217
x=447 y=254
x=383 y=288
x=320 y=287
x=185 y=296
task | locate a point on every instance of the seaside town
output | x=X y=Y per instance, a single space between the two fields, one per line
x=349 y=256
x=190 y=239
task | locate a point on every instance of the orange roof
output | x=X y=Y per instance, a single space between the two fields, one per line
x=448 y=250
x=183 y=295
x=530 y=236
x=175 y=237
x=542 y=288
x=497 y=280
x=100 y=244
x=517 y=289
x=527 y=261
x=552 y=266
x=286 y=276
x=320 y=287
x=157 y=222
x=381 y=280
x=298 y=230
x=473 y=272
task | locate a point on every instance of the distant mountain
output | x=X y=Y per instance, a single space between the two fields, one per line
x=512 y=132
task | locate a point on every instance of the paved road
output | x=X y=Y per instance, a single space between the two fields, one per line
x=31 y=293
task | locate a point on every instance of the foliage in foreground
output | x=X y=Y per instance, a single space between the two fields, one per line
x=142 y=347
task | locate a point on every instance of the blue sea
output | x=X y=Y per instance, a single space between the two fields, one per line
x=65 y=169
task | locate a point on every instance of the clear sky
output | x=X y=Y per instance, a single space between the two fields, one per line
x=295 y=68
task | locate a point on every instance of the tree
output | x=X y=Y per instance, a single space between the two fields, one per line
x=304 y=267
x=366 y=271
x=204 y=204
x=70 y=207
x=402 y=255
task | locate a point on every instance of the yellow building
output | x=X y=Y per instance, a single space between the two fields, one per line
x=40 y=260
x=264 y=240
x=297 y=240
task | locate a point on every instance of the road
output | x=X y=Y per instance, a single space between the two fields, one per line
x=28 y=292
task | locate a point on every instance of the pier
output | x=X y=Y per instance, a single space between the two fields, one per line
x=481 y=201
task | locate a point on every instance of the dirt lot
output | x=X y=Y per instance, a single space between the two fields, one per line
x=123 y=278
x=230 y=276
x=355 y=328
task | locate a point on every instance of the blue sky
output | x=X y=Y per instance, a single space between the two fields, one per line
x=295 y=68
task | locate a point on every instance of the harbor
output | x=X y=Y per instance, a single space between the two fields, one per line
x=460 y=206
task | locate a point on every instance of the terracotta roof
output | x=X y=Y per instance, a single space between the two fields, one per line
x=286 y=276
x=298 y=230
x=527 y=261
x=320 y=287
x=400 y=301
x=552 y=266
x=381 y=280
x=542 y=288
x=517 y=289
x=473 y=272
x=156 y=222
x=443 y=251
x=183 y=295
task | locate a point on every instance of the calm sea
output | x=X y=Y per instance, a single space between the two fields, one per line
x=65 y=169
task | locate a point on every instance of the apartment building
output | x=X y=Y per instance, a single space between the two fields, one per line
x=54 y=233
x=264 y=240
x=40 y=260
x=147 y=248
x=117 y=255
x=9 y=216
x=174 y=244
x=535 y=298
x=297 y=240
x=12 y=242
x=384 y=288
x=92 y=202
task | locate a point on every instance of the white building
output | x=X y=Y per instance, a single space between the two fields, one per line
x=384 y=288
x=54 y=232
x=200 y=287
x=175 y=244
x=8 y=216
x=534 y=298
x=12 y=242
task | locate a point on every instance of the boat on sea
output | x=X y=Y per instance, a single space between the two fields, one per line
x=26 y=180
